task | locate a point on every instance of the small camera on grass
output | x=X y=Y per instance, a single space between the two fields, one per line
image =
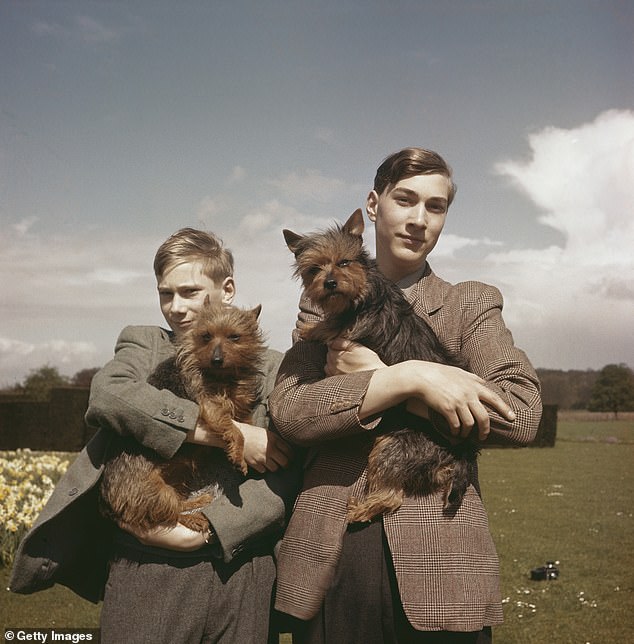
x=545 y=573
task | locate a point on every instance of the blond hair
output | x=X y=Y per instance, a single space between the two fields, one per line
x=189 y=245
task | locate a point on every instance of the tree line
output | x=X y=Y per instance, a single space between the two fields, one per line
x=611 y=389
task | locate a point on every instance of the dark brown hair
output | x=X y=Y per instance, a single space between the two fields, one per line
x=410 y=162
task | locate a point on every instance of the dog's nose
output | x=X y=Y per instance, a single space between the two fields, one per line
x=330 y=284
x=217 y=357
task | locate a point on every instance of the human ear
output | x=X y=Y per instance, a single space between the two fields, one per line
x=371 y=204
x=228 y=289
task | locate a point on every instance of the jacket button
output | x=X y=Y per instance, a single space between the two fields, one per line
x=165 y=411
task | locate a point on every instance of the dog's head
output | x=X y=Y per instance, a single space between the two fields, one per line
x=224 y=340
x=332 y=264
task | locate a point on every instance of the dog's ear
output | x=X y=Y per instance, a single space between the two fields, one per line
x=292 y=239
x=255 y=312
x=354 y=225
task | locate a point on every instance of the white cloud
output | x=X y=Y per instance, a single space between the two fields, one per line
x=23 y=227
x=576 y=300
x=85 y=28
x=18 y=358
x=583 y=180
x=64 y=299
x=326 y=135
x=238 y=173
x=449 y=245
x=310 y=185
x=93 y=31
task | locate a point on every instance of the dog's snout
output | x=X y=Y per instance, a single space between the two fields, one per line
x=330 y=283
x=217 y=357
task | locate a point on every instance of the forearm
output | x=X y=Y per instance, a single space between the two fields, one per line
x=123 y=401
x=308 y=408
x=488 y=348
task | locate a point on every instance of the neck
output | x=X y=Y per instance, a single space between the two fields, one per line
x=396 y=274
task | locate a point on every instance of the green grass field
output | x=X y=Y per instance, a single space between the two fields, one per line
x=571 y=504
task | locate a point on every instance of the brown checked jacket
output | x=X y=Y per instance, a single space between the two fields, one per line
x=446 y=566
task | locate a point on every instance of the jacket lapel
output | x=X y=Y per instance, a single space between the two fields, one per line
x=428 y=295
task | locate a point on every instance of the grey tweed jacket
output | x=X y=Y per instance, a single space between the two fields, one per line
x=70 y=542
x=446 y=566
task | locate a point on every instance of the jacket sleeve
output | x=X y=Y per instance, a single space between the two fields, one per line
x=473 y=311
x=307 y=407
x=123 y=401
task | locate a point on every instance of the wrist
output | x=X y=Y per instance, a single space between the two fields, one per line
x=200 y=435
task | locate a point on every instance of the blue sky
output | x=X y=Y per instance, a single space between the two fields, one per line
x=121 y=122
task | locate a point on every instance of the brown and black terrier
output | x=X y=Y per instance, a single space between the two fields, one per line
x=360 y=304
x=217 y=364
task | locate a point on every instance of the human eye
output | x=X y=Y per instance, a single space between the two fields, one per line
x=403 y=199
x=437 y=207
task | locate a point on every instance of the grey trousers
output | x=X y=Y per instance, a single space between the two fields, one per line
x=363 y=605
x=157 y=597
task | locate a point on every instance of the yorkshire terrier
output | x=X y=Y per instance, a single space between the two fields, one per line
x=360 y=304
x=217 y=365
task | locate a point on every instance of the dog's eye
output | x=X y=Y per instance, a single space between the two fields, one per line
x=207 y=337
x=343 y=263
x=234 y=338
x=313 y=270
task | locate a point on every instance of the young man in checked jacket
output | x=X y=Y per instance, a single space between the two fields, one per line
x=419 y=574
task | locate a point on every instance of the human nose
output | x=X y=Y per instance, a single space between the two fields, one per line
x=177 y=305
x=418 y=216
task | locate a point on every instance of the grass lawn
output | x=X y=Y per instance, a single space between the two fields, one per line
x=571 y=504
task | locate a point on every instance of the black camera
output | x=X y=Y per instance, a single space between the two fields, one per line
x=545 y=573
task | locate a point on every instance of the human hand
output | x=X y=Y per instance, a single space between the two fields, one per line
x=346 y=356
x=263 y=449
x=460 y=396
x=177 y=538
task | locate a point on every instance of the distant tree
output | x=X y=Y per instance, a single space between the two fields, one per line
x=567 y=389
x=84 y=377
x=613 y=390
x=38 y=384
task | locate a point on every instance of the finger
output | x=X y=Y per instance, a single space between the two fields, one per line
x=467 y=421
x=280 y=443
x=482 y=420
x=278 y=457
x=453 y=421
x=498 y=404
x=283 y=446
x=260 y=468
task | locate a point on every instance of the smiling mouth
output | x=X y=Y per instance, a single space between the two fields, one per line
x=412 y=240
